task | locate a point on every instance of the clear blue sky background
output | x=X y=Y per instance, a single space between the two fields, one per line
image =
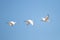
x=21 y=10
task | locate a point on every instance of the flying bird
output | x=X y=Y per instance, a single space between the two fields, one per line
x=29 y=22
x=45 y=19
x=11 y=23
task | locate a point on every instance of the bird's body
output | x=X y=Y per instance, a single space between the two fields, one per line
x=29 y=22
x=45 y=19
x=12 y=23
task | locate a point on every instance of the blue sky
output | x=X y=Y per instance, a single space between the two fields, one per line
x=21 y=10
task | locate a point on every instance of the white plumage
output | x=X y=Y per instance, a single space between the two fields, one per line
x=12 y=23
x=29 y=22
x=45 y=19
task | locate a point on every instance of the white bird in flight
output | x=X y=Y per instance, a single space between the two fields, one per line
x=45 y=19
x=29 y=22
x=11 y=23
